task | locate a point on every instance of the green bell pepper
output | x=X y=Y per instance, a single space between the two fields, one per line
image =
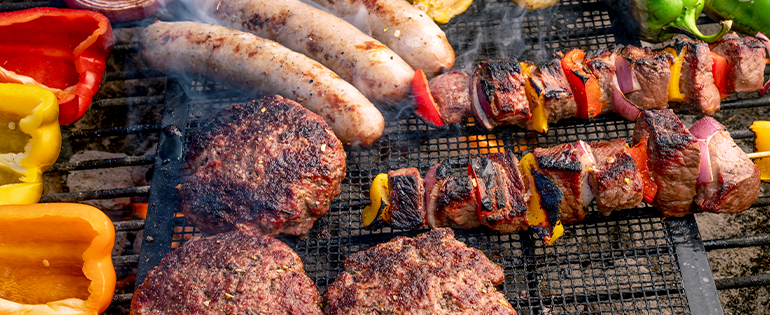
x=749 y=17
x=659 y=20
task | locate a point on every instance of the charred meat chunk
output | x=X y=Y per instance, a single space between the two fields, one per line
x=499 y=90
x=673 y=160
x=615 y=180
x=432 y=273
x=500 y=192
x=746 y=59
x=550 y=80
x=230 y=273
x=269 y=166
x=450 y=90
x=601 y=64
x=651 y=70
x=736 y=179
x=696 y=81
x=407 y=198
x=450 y=200
x=567 y=166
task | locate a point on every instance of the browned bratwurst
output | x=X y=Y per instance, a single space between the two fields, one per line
x=375 y=70
x=251 y=63
x=403 y=28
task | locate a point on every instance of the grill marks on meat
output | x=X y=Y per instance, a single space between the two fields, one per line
x=230 y=273
x=697 y=81
x=501 y=82
x=407 y=189
x=269 y=166
x=500 y=191
x=559 y=101
x=736 y=181
x=615 y=179
x=430 y=274
x=673 y=158
x=746 y=58
x=564 y=166
x=451 y=93
x=450 y=201
x=601 y=64
x=651 y=70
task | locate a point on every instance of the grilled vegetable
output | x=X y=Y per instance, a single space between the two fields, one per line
x=585 y=87
x=535 y=4
x=535 y=95
x=659 y=20
x=427 y=109
x=442 y=11
x=674 y=94
x=748 y=17
x=377 y=214
x=56 y=259
x=639 y=154
x=30 y=140
x=543 y=212
x=762 y=131
x=720 y=70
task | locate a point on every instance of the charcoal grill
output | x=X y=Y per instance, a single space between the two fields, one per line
x=630 y=262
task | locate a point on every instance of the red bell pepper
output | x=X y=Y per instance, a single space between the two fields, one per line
x=584 y=85
x=62 y=50
x=720 y=70
x=427 y=109
x=639 y=154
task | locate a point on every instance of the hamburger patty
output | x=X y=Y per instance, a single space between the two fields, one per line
x=270 y=166
x=430 y=274
x=230 y=273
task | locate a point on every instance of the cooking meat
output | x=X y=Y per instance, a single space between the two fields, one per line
x=450 y=91
x=567 y=166
x=429 y=274
x=407 y=199
x=450 y=200
x=615 y=180
x=736 y=179
x=501 y=193
x=651 y=70
x=673 y=159
x=497 y=85
x=405 y=29
x=375 y=70
x=230 y=273
x=746 y=58
x=601 y=64
x=270 y=166
x=559 y=101
x=697 y=81
x=254 y=64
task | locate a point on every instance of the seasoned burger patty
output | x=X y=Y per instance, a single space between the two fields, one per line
x=230 y=273
x=270 y=166
x=430 y=274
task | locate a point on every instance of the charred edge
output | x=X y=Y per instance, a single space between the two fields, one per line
x=442 y=172
x=405 y=206
x=623 y=163
x=489 y=90
x=500 y=69
x=556 y=93
x=550 y=196
x=563 y=162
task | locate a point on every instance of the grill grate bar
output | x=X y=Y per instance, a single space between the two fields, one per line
x=106 y=132
x=15 y=6
x=747 y=103
x=133 y=225
x=746 y=241
x=126 y=260
x=128 y=101
x=743 y=282
x=122 y=298
x=97 y=194
x=592 y=298
x=128 y=48
x=106 y=163
x=133 y=75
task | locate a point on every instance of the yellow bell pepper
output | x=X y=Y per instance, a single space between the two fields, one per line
x=674 y=94
x=30 y=141
x=378 y=213
x=539 y=121
x=536 y=215
x=442 y=11
x=56 y=259
x=761 y=129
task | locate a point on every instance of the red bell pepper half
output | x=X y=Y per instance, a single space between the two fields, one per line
x=427 y=109
x=639 y=154
x=584 y=85
x=62 y=50
x=720 y=70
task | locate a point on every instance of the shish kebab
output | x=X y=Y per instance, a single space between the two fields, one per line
x=677 y=170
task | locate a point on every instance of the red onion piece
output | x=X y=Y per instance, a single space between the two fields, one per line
x=625 y=76
x=705 y=127
x=705 y=175
x=587 y=160
x=762 y=38
x=478 y=110
x=764 y=90
x=430 y=181
x=120 y=10
x=621 y=105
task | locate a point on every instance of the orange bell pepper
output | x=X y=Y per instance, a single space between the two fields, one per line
x=588 y=94
x=427 y=109
x=639 y=154
x=720 y=70
x=56 y=259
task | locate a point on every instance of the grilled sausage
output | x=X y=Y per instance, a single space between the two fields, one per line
x=251 y=63
x=403 y=28
x=374 y=69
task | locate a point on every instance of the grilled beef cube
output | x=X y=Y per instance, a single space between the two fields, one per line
x=449 y=201
x=450 y=90
x=673 y=160
x=499 y=86
x=696 y=81
x=551 y=81
x=500 y=191
x=601 y=64
x=615 y=180
x=567 y=167
x=736 y=179
x=746 y=58
x=651 y=70
x=407 y=209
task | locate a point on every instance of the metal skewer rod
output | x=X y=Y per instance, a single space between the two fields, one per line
x=758 y=155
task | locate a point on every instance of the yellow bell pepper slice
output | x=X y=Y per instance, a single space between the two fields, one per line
x=761 y=129
x=56 y=259
x=536 y=215
x=674 y=93
x=442 y=11
x=31 y=141
x=539 y=121
x=377 y=213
